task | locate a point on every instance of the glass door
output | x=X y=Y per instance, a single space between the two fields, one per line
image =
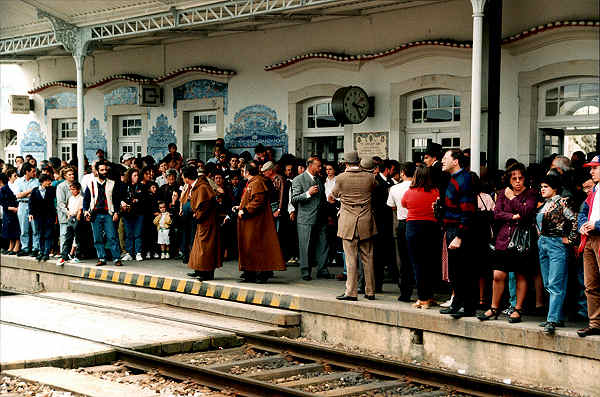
x=330 y=149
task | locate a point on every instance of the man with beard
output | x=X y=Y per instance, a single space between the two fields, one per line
x=99 y=209
x=206 y=254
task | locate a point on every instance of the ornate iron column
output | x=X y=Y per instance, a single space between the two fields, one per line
x=77 y=41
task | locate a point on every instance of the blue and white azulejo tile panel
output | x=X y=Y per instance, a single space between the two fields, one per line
x=256 y=124
x=94 y=139
x=120 y=96
x=198 y=89
x=158 y=141
x=33 y=142
x=61 y=100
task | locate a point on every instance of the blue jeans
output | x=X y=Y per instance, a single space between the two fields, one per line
x=23 y=215
x=133 y=234
x=553 y=264
x=102 y=224
x=512 y=289
x=45 y=227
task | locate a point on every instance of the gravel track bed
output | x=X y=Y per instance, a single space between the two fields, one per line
x=346 y=381
x=11 y=386
x=153 y=381
x=223 y=356
x=307 y=375
x=275 y=364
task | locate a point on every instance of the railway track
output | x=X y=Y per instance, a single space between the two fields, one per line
x=285 y=367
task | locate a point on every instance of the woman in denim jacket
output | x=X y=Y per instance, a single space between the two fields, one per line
x=557 y=227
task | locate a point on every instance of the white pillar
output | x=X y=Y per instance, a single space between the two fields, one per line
x=79 y=60
x=478 y=6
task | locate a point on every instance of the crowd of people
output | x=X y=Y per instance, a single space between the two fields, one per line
x=431 y=225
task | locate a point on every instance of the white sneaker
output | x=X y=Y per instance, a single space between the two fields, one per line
x=127 y=257
x=138 y=257
x=448 y=303
x=167 y=256
x=60 y=262
x=156 y=255
x=75 y=260
x=148 y=256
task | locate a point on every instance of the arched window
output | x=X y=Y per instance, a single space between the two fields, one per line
x=571 y=99
x=435 y=108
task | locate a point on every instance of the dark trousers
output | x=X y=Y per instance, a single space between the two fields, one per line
x=45 y=227
x=406 y=278
x=71 y=234
x=422 y=257
x=312 y=239
x=463 y=275
x=188 y=232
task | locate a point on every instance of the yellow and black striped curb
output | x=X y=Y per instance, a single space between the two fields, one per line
x=192 y=287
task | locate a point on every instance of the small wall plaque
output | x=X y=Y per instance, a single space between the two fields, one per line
x=19 y=104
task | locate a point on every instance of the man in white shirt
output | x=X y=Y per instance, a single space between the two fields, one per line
x=406 y=279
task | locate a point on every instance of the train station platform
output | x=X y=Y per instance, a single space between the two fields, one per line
x=517 y=353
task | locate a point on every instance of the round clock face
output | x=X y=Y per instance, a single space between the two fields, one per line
x=350 y=105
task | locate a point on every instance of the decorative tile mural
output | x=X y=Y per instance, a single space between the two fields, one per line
x=93 y=140
x=198 y=89
x=162 y=134
x=33 y=142
x=120 y=96
x=256 y=124
x=62 y=100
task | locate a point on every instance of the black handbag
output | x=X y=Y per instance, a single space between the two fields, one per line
x=521 y=240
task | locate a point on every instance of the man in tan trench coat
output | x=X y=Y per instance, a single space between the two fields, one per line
x=356 y=224
x=206 y=254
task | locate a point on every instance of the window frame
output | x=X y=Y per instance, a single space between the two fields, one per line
x=570 y=119
x=314 y=132
x=428 y=126
x=128 y=117
x=208 y=135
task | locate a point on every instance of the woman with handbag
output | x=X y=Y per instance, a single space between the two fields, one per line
x=514 y=249
x=557 y=228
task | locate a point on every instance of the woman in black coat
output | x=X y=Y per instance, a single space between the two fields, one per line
x=10 y=222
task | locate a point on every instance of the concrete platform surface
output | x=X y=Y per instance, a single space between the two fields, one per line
x=287 y=290
x=74 y=382
x=26 y=348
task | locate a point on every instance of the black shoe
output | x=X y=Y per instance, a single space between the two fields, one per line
x=45 y=258
x=449 y=310
x=588 y=331
x=248 y=277
x=549 y=328
x=11 y=253
x=306 y=278
x=403 y=298
x=326 y=276
x=35 y=253
x=195 y=273
x=494 y=315
x=344 y=297
x=263 y=277
x=514 y=320
x=23 y=253
x=39 y=257
x=462 y=313
x=557 y=324
x=370 y=297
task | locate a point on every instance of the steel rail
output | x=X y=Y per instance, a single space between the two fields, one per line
x=386 y=367
x=205 y=376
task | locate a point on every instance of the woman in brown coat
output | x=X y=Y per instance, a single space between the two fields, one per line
x=205 y=256
x=260 y=253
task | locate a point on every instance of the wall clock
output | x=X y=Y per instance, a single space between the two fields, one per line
x=350 y=105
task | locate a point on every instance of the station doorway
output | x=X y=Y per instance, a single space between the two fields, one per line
x=568 y=140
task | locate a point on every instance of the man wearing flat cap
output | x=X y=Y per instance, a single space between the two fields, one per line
x=356 y=224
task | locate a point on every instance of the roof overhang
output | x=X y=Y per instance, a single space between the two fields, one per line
x=134 y=23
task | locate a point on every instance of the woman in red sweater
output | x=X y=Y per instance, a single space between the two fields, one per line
x=421 y=225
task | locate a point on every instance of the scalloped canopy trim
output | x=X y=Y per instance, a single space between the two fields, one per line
x=136 y=78
x=446 y=43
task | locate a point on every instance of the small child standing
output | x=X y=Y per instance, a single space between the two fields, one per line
x=74 y=209
x=163 y=224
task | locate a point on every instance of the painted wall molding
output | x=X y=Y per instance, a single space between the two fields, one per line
x=544 y=34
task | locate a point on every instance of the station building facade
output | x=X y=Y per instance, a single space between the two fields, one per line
x=275 y=86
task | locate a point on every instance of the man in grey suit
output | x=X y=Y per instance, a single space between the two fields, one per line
x=62 y=197
x=308 y=197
